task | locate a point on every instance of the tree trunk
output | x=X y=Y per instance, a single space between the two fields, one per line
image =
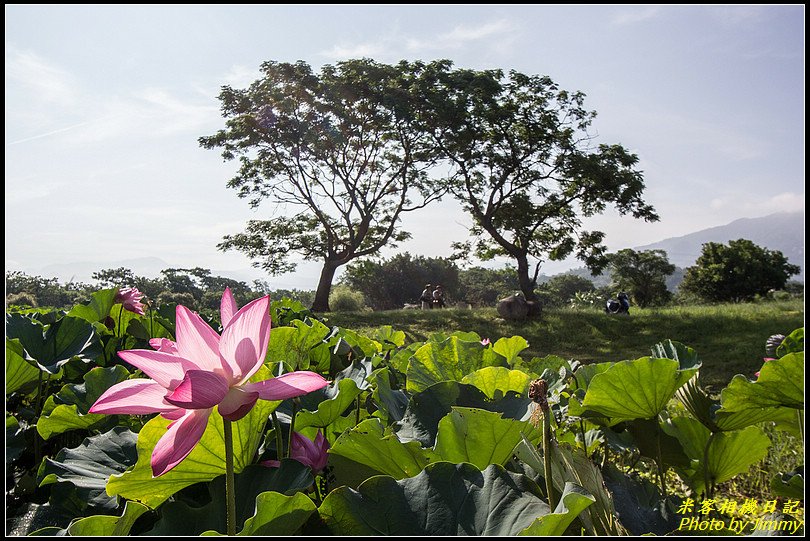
x=526 y=283
x=321 y=302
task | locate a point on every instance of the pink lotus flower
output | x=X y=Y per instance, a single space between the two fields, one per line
x=204 y=370
x=485 y=342
x=130 y=297
x=307 y=452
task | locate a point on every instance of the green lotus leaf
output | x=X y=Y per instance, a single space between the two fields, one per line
x=368 y=444
x=278 y=514
x=496 y=381
x=479 y=437
x=449 y=360
x=444 y=499
x=64 y=339
x=89 y=466
x=105 y=525
x=780 y=384
x=180 y=518
x=637 y=389
x=97 y=308
x=19 y=373
x=573 y=501
x=427 y=408
x=344 y=392
x=67 y=409
x=510 y=347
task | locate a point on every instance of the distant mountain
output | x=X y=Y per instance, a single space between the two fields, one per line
x=783 y=232
x=82 y=271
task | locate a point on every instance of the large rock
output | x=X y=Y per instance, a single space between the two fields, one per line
x=514 y=308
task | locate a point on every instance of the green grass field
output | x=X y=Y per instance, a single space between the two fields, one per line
x=729 y=338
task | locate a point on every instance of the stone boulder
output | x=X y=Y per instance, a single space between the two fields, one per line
x=513 y=308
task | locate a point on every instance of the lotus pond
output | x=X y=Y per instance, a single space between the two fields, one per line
x=317 y=430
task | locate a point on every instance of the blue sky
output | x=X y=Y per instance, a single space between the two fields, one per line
x=104 y=106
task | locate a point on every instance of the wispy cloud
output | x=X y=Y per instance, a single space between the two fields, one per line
x=462 y=35
x=19 y=190
x=50 y=133
x=739 y=15
x=635 y=15
x=359 y=50
x=51 y=103
x=752 y=205
x=42 y=80
x=240 y=76
x=500 y=34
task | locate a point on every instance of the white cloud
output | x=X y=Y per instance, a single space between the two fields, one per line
x=499 y=34
x=240 y=76
x=461 y=35
x=636 y=15
x=359 y=50
x=41 y=80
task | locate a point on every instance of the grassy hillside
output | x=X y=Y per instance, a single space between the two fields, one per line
x=729 y=338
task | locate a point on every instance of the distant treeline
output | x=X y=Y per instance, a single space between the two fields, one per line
x=387 y=284
x=196 y=288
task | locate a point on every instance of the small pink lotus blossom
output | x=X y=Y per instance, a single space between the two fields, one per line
x=305 y=451
x=765 y=359
x=485 y=342
x=130 y=297
x=309 y=453
x=200 y=371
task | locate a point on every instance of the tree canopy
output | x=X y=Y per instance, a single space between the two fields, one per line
x=524 y=166
x=338 y=150
x=642 y=274
x=737 y=271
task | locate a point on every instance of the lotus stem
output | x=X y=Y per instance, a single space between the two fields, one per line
x=38 y=411
x=547 y=459
x=538 y=390
x=230 y=493
x=582 y=432
x=292 y=425
x=357 y=411
x=660 y=464
x=707 y=480
x=279 y=441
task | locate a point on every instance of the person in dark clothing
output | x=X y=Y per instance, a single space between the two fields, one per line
x=426 y=298
x=625 y=301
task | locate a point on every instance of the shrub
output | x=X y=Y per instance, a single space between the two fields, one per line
x=344 y=299
x=21 y=299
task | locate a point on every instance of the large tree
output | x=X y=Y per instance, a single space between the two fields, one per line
x=737 y=271
x=338 y=155
x=642 y=274
x=524 y=166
